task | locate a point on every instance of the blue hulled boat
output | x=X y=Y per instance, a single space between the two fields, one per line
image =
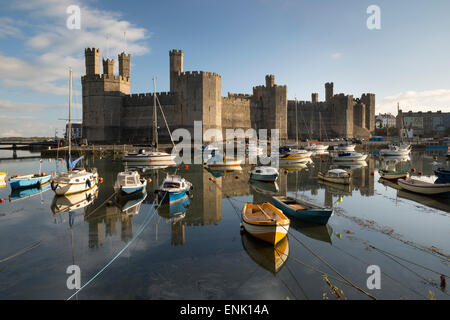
x=27 y=181
x=303 y=210
x=174 y=188
x=24 y=193
x=443 y=175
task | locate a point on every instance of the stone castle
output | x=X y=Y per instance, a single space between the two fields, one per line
x=112 y=115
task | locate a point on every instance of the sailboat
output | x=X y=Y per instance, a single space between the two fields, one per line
x=318 y=147
x=74 y=180
x=402 y=149
x=155 y=155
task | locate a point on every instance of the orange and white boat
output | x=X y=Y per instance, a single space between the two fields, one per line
x=265 y=222
x=219 y=161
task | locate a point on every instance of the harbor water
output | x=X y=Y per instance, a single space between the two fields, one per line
x=196 y=249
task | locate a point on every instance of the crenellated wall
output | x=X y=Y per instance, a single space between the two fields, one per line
x=112 y=115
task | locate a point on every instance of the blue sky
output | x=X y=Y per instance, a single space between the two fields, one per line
x=303 y=43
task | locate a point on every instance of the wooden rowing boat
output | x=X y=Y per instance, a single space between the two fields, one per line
x=336 y=176
x=265 y=222
x=423 y=187
x=303 y=210
x=392 y=174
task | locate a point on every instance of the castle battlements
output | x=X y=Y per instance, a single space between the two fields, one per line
x=124 y=55
x=91 y=50
x=194 y=74
x=94 y=77
x=239 y=95
x=136 y=97
x=176 y=52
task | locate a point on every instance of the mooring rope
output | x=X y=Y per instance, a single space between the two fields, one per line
x=313 y=253
x=143 y=226
x=382 y=272
x=101 y=205
x=416 y=264
x=22 y=251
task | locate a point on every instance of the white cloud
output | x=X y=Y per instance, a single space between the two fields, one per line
x=336 y=55
x=428 y=100
x=9 y=28
x=49 y=49
x=56 y=48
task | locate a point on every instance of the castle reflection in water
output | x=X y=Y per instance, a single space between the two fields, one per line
x=211 y=188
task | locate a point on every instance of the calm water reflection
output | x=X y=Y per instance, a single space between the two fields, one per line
x=196 y=250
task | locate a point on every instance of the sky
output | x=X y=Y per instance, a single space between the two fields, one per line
x=304 y=43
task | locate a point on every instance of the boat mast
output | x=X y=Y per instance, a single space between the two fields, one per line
x=296 y=120
x=70 y=103
x=320 y=127
x=155 y=129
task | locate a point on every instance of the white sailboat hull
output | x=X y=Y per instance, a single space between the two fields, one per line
x=79 y=184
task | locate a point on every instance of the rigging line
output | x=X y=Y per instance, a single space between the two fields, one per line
x=387 y=275
x=288 y=289
x=293 y=276
x=143 y=226
x=330 y=266
x=101 y=205
x=317 y=256
x=22 y=251
x=416 y=264
x=303 y=118
x=415 y=273
x=165 y=121
x=317 y=270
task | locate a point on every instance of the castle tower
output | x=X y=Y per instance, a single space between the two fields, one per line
x=329 y=91
x=176 y=67
x=369 y=100
x=124 y=65
x=102 y=99
x=270 y=81
x=108 y=67
x=314 y=97
x=92 y=60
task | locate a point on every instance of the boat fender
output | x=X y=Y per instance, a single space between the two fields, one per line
x=88 y=183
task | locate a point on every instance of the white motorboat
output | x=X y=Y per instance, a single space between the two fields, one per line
x=349 y=156
x=268 y=174
x=221 y=161
x=393 y=150
x=345 y=147
x=129 y=182
x=317 y=147
x=174 y=188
